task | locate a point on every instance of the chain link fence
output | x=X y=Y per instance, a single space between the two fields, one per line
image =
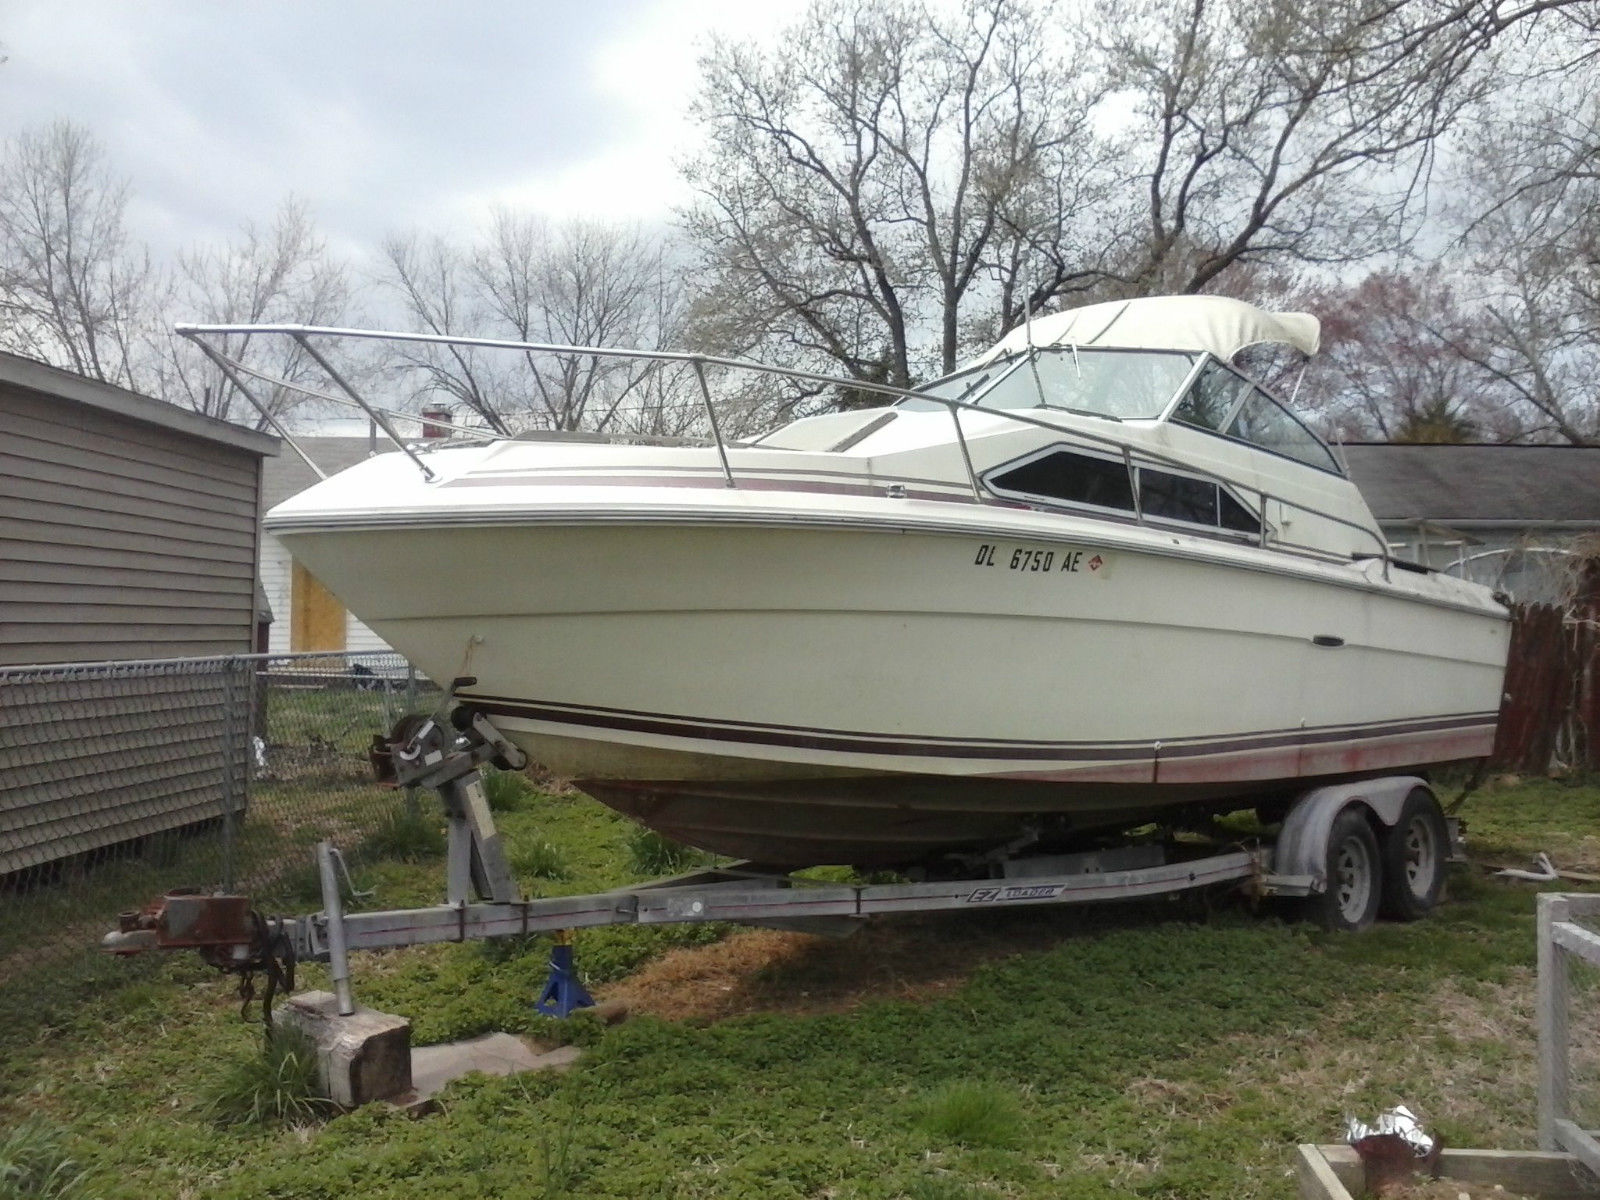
x=119 y=781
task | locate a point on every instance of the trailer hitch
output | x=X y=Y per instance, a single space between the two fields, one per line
x=227 y=932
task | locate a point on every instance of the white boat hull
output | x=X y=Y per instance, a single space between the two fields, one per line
x=820 y=691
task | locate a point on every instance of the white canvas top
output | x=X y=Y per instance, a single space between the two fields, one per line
x=1216 y=323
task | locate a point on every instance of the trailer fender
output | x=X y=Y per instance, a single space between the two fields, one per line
x=1302 y=847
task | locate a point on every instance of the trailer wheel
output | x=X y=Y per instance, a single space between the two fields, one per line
x=1413 y=852
x=1354 y=873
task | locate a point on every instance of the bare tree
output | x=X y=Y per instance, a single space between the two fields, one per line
x=1530 y=212
x=889 y=185
x=1391 y=366
x=1283 y=132
x=578 y=284
x=74 y=290
x=887 y=179
x=283 y=273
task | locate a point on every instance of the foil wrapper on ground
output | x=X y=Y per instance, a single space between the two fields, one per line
x=1399 y=1122
x=1393 y=1149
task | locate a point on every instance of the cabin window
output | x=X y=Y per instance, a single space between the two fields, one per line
x=1264 y=422
x=1064 y=477
x=1235 y=516
x=1072 y=478
x=1177 y=497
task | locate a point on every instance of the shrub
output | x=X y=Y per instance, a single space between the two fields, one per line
x=973 y=1113
x=275 y=1084
x=407 y=837
x=540 y=860
x=652 y=854
x=505 y=790
x=35 y=1165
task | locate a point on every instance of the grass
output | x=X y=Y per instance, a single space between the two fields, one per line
x=275 y=1084
x=541 y=860
x=408 y=837
x=506 y=791
x=973 y=1113
x=36 y=1164
x=650 y=853
x=1154 y=1050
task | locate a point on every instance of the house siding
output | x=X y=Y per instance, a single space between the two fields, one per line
x=118 y=539
x=128 y=531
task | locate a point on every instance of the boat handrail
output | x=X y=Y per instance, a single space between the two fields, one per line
x=698 y=362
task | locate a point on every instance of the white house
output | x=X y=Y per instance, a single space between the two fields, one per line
x=305 y=615
x=1506 y=516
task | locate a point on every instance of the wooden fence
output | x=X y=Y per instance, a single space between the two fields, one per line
x=1550 y=718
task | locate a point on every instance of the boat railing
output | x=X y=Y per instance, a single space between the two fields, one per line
x=1132 y=454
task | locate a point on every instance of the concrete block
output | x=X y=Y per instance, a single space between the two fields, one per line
x=361 y=1057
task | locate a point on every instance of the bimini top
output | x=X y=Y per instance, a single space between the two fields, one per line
x=1217 y=324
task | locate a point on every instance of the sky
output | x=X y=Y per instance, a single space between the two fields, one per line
x=383 y=117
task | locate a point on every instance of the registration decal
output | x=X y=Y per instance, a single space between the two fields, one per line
x=1035 y=560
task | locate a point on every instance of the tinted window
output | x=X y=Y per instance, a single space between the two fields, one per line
x=1236 y=516
x=1211 y=399
x=1074 y=478
x=1263 y=422
x=1177 y=497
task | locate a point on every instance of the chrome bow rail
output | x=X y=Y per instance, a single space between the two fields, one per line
x=236 y=371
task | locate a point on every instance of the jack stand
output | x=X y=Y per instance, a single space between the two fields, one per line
x=562 y=992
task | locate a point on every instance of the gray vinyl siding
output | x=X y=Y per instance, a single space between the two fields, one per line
x=120 y=539
x=128 y=531
x=91 y=757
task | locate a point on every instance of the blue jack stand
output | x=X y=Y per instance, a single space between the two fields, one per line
x=562 y=992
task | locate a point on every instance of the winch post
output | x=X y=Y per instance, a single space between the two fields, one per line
x=333 y=913
x=476 y=861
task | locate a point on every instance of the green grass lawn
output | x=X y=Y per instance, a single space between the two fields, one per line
x=1178 y=1049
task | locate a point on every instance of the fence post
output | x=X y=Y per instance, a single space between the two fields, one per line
x=230 y=668
x=1551 y=1015
x=413 y=806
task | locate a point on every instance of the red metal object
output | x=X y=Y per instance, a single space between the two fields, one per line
x=185 y=919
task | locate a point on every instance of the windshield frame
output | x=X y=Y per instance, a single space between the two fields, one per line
x=1338 y=470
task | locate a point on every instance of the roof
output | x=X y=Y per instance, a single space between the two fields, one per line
x=68 y=385
x=1463 y=486
x=287 y=475
x=1217 y=324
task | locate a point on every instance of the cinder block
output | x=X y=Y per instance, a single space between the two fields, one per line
x=361 y=1057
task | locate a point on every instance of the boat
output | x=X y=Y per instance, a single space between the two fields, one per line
x=1097 y=577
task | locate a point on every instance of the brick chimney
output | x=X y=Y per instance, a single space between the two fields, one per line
x=431 y=418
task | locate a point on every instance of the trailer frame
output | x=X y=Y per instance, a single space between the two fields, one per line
x=482 y=899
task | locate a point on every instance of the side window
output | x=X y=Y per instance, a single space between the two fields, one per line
x=1263 y=422
x=1163 y=496
x=1177 y=497
x=1073 y=478
x=1210 y=399
x=1236 y=516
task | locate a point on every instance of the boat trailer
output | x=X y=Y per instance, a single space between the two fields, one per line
x=482 y=899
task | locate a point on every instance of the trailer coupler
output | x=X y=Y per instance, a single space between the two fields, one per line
x=227 y=932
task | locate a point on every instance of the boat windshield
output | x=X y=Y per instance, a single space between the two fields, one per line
x=1121 y=384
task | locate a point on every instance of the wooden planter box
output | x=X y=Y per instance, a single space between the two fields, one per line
x=1335 y=1173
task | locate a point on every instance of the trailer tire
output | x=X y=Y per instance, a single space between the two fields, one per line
x=1354 y=871
x=1414 y=851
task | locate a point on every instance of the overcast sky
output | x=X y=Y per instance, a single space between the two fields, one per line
x=383 y=116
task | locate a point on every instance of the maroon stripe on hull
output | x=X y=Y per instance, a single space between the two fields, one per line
x=1268 y=754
